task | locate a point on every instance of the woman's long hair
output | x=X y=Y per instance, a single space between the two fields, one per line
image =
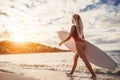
x=78 y=24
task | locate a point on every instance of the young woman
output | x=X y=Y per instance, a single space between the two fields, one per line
x=77 y=33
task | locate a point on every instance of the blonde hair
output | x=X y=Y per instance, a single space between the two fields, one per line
x=79 y=25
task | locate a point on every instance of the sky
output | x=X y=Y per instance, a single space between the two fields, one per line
x=40 y=20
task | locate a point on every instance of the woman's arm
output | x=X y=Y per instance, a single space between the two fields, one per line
x=70 y=35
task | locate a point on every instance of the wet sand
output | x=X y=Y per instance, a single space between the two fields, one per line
x=53 y=75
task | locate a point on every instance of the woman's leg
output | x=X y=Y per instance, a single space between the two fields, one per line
x=81 y=53
x=88 y=65
x=74 y=65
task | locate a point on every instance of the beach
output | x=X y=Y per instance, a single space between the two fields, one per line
x=49 y=66
x=54 y=75
x=12 y=76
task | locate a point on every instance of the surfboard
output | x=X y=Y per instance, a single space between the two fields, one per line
x=93 y=53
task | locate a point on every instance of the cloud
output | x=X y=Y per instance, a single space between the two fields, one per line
x=98 y=4
x=105 y=41
x=4 y=13
x=89 y=7
x=112 y=30
x=4 y=35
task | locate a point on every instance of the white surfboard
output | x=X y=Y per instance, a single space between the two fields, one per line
x=94 y=54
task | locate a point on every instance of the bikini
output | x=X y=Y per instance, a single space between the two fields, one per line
x=75 y=36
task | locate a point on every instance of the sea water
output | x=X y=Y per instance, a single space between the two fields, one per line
x=46 y=61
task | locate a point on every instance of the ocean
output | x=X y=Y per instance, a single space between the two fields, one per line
x=49 y=61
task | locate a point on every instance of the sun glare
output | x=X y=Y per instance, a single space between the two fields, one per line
x=18 y=38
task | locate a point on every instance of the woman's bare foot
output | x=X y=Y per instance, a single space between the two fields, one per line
x=68 y=74
x=93 y=77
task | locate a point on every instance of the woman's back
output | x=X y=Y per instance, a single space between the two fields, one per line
x=75 y=35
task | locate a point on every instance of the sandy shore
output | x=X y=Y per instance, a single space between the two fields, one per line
x=53 y=75
x=12 y=76
x=48 y=67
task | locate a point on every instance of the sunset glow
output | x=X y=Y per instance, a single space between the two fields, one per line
x=18 y=38
x=39 y=20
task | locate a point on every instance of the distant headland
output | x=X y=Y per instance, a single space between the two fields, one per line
x=10 y=47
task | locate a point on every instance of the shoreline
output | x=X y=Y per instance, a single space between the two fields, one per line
x=54 y=75
x=49 y=67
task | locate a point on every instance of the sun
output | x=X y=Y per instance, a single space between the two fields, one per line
x=18 y=38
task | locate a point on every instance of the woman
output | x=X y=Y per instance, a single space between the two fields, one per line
x=77 y=33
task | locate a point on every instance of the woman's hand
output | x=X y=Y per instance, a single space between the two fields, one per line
x=60 y=43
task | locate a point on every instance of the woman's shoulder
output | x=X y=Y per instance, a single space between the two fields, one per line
x=73 y=26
